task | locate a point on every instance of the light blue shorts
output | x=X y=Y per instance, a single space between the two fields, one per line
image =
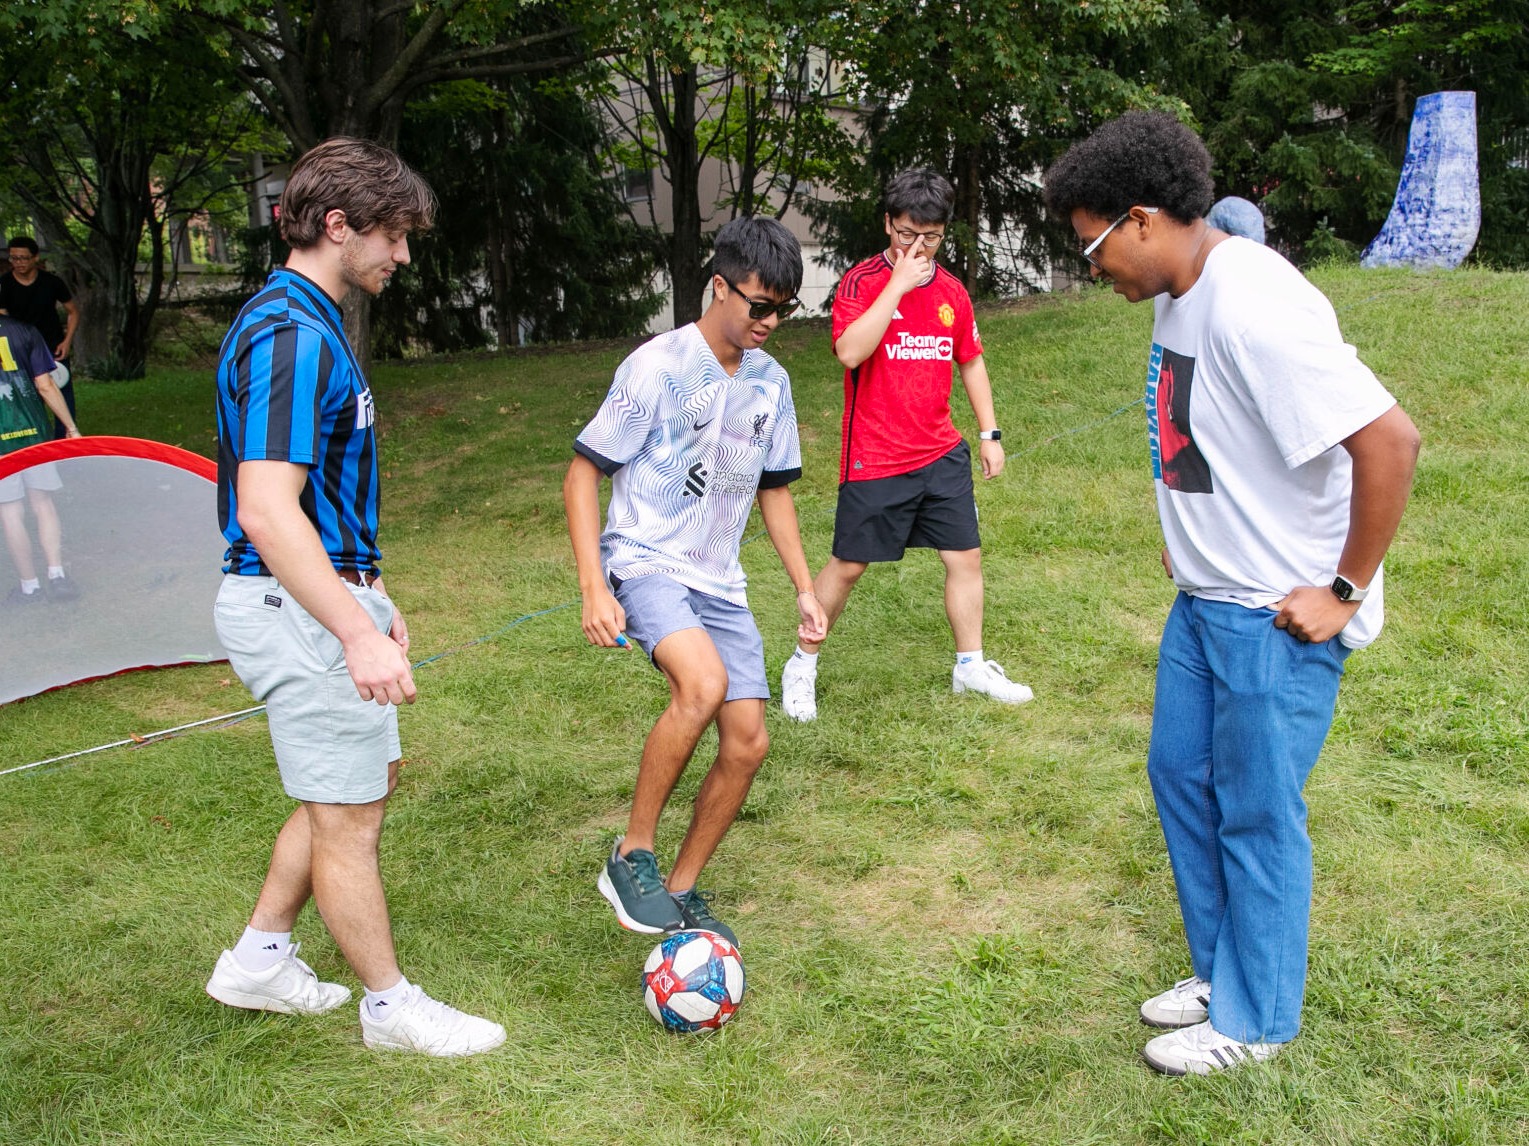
x=331 y=746
x=657 y=606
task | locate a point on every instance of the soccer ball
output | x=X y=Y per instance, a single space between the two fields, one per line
x=693 y=981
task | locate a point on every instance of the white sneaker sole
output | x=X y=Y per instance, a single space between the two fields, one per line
x=231 y=998
x=378 y=1043
x=1024 y=698
x=608 y=890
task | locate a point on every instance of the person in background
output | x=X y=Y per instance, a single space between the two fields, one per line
x=33 y=295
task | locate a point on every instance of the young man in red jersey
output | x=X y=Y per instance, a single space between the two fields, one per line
x=900 y=320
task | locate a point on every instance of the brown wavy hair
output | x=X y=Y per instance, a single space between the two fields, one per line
x=368 y=182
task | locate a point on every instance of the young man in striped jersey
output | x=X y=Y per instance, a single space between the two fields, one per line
x=900 y=321
x=698 y=424
x=302 y=611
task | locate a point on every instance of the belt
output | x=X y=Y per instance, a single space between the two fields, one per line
x=357 y=576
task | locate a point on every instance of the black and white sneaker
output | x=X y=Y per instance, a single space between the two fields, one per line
x=1184 y=1004
x=1201 y=1049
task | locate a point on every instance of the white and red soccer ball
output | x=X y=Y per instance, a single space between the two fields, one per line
x=693 y=981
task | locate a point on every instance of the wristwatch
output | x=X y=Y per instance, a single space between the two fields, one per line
x=1346 y=590
x=990 y=435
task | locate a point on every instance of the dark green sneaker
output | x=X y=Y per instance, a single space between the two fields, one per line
x=696 y=907
x=632 y=886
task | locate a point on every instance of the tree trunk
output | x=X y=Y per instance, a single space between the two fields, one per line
x=687 y=272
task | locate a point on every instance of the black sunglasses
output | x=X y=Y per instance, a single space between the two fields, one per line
x=763 y=307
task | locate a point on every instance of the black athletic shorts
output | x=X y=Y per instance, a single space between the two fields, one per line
x=931 y=507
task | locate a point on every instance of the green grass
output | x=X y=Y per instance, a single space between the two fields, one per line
x=950 y=909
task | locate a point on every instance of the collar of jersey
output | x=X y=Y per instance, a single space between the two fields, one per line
x=326 y=306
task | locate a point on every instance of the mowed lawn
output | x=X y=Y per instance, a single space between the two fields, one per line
x=949 y=909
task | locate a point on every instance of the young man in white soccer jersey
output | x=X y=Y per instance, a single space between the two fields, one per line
x=698 y=423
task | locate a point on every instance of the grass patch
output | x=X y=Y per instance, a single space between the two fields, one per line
x=950 y=909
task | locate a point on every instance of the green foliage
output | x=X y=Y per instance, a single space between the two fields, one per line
x=528 y=230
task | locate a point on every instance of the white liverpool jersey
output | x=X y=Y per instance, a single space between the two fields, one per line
x=687 y=448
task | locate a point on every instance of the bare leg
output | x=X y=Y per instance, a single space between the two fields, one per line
x=742 y=744
x=13 y=517
x=347 y=887
x=833 y=586
x=963 y=596
x=697 y=685
x=289 y=880
x=50 y=534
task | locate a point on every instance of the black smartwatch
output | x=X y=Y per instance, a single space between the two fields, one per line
x=990 y=435
x=1346 y=590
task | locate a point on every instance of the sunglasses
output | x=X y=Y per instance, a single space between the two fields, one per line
x=1088 y=251
x=763 y=307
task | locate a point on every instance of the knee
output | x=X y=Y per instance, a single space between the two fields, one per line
x=746 y=752
x=848 y=572
x=699 y=697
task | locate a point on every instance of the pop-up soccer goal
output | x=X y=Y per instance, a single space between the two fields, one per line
x=142 y=547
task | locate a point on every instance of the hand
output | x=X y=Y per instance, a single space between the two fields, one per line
x=399 y=630
x=604 y=619
x=908 y=270
x=74 y=433
x=991 y=454
x=814 y=626
x=62 y=349
x=379 y=668
x=1313 y=613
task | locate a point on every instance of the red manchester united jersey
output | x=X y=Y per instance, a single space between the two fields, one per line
x=897 y=402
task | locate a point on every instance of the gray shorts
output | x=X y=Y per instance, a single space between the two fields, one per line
x=43 y=477
x=657 y=605
x=331 y=746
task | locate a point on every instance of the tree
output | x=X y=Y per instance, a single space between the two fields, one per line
x=745 y=86
x=116 y=123
x=529 y=231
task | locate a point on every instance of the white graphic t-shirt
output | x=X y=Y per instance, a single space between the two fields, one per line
x=1250 y=390
x=687 y=448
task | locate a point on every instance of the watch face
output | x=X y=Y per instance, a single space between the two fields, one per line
x=1342 y=589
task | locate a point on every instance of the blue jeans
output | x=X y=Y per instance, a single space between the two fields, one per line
x=1241 y=711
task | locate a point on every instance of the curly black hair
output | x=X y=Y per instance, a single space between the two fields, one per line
x=1144 y=158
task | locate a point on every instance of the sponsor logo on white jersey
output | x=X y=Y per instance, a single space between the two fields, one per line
x=921 y=348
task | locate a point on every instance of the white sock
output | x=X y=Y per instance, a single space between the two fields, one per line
x=55 y=572
x=808 y=659
x=381 y=1004
x=30 y=587
x=261 y=950
x=971 y=658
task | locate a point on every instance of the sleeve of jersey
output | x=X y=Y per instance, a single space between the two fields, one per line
x=620 y=427
x=853 y=298
x=1309 y=386
x=279 y=387
x=61 y=290
x=783 y=463
x=968 y=341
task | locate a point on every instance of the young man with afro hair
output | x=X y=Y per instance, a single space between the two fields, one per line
x=1282 y=467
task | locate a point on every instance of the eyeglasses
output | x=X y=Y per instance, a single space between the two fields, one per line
x=763 y=307
x=1088 y=251
x=932 y=239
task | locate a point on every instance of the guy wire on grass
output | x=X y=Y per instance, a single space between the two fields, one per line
x=228 y=720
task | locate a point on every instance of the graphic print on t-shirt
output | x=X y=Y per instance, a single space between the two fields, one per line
x=1176 y=460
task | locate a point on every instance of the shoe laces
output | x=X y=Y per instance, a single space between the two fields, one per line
x=697 y=905
x=432 y=1010
x=291 y=954
x=644 y=866
x=1190 y=988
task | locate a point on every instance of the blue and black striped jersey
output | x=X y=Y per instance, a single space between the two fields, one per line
x=290 y=390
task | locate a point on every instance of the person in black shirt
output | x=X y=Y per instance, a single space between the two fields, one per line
x=34 y=295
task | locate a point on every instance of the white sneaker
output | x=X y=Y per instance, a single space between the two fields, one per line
x=798 y=690
x=988 y=677
x=288 y=986
x=1184 y=1004
x=1201 y=1049
x=420 y=1023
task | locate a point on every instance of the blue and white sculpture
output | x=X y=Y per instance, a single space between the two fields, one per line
x=1437 y=213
